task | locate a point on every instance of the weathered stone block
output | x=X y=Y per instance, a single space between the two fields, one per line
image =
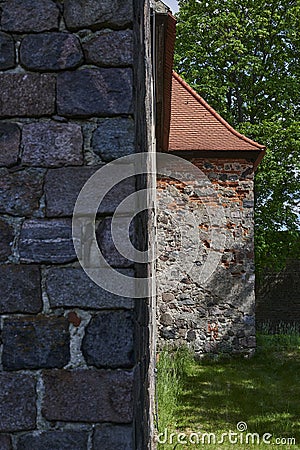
x=47 y=241
x=27 y=94
x=94 y=14
x=80 y=291
x=108 y=436
x=54 y=440
x=114 y=138
x=108 y=341
x=9 y=144
x=50 y=51
x=5 y=442
x=17 y=402
x=106 y=244
x=110 y=48
x=26 y=16
x=7 y=51
x=88 y=396
x=20 y=191
x=6 y=239
x=20 y=289
x=248 y=203
x=168 y=297
x=63 y=186
x=35 y=342
x=166 y=319
x=52 y=144
x=94 y=92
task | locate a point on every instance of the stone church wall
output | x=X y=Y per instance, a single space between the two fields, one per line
x=215 y=314
x=71 y=371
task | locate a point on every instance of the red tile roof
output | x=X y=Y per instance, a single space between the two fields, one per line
x=196 y=126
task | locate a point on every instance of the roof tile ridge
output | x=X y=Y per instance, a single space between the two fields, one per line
x=214 y=113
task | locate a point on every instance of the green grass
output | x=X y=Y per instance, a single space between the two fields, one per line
x=213 y=395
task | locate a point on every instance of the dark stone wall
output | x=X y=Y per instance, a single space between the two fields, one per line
x=70 y=370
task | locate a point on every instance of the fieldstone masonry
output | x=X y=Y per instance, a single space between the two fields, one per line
x=109 y=48
x=20 y=287
x=7 y=238
x=50 y=52
x=72 y=369
x=77 y=362
x=10 y=136
x=27 y=95
x=64 y=139
x=54 y=440
x=7 y=51
x=29 y=16
x=216 y=315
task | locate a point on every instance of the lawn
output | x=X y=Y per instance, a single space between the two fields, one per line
x=214 y=395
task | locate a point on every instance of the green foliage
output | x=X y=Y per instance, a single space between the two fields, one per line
x=212 y=396
x=171 y=368
x=287 y=338
x=243 y=57
x=277 y=193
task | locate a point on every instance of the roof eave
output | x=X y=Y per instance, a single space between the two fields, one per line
x=165 y=34
x=255 y=156
x=256 y=145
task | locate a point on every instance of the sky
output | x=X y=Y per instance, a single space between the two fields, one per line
x=172 y=4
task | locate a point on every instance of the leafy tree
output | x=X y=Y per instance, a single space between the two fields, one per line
x=277 y=192
x=243 y=57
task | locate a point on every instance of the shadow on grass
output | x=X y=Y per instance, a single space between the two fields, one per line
x=263 y=391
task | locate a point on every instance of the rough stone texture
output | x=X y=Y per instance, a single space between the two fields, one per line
x=94 y=14
x=94 y=92
x=62 y=187
x=48 y=241
x=27 y=95
x=17 y=402
x=216 y=314
x=20 y=289
x=50 y=51
x=80 y=291
x=20 y=192
x=107 y=437
x=6 y=239
x=106 y=244
x=5 y=442
x=110 y=48
x=9 y=144
x=26 y=16
x=88 y=396
x=68 y=400
x=114 y=138
x=52 y=144
x=108 y=340
x=35 y=343
x=7 y=51
x=54 y=440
